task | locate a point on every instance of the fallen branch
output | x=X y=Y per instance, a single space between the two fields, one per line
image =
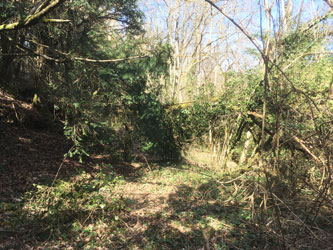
x=17 y=116
x=255 y=114
x=299 y=141
x=306 y=149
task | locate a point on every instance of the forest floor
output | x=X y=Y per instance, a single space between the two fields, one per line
x=48 y=201
x=137 y=206
x=183 y=207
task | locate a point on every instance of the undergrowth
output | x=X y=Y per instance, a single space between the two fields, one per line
x=168 y=207
x=79 y=212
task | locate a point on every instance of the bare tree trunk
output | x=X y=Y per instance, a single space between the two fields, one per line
x=243 y=157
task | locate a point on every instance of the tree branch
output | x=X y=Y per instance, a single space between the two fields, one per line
x=329 y=2
x=108 y=60
x=248 y=35
x=67 y=57
x=306 y=149
x=36 y=17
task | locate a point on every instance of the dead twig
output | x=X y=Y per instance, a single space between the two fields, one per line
x=17 y=116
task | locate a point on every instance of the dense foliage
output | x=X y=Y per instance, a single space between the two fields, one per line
x=75 y=72
x=97 y=74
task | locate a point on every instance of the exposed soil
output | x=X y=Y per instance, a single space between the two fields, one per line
x=27 y=156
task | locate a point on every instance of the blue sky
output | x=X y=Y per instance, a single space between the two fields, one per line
x=245 y=9
x=245 y=12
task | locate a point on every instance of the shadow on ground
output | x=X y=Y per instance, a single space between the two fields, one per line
x=30 y=160
x=197 y=218
x=108 y=205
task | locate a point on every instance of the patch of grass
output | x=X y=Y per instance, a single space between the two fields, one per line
x=80 y=213
x=198 y=211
